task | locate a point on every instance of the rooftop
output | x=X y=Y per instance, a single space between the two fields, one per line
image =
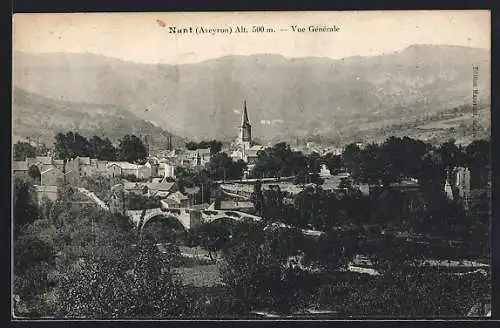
x=133 y=185
x=124 y=165
x=160 y=186
x=51 y=169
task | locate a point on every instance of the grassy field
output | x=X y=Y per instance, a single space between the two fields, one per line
x=200 y=275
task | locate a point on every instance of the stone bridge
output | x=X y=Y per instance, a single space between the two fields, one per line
x=189 y=218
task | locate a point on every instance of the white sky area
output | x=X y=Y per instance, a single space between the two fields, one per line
x=138 y=37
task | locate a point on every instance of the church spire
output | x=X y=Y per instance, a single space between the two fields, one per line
x=245 y=134
x=244 y=118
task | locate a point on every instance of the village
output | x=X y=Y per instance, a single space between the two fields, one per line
x=158 y=173
x=196 y=201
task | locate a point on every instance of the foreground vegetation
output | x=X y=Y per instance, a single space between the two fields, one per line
x=78 y=261
x=83 y=262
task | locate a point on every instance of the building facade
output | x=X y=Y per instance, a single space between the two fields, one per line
x=46 y=192
x=51 y=177
x=462 y=184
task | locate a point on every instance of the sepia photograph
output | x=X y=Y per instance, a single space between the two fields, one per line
x=251 y=165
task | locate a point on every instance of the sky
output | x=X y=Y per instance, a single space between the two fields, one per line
x=145 y=37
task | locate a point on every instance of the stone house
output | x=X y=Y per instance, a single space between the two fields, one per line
x=153 y=164
x=43 y=162
x=86 y=168
x=251 y=155
x=51 y=177
x=46 y=192
x=114 y=170
x=136 y=188
x=101 y=166
x=72 y=177
x=20 y=169
x=144 y=171
x=203 y=155
x=124 y=169
x=179 y=198
x=59 y=163
x=162 y=189
x=191 y=194
x=166 y=170
x=169 y=203
x=72 y=165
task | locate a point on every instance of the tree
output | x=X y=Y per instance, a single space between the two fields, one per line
x=273 y=203
x=25 y=206
x=103 y=275
x=215 y=146
x=42 y=150
x=328 y=252
x=214 y=236
x=190 y=178
x=432 y=174
x=256 y=266
x=23 y=150
x=280 y=160
x=80 y=146
x=122 y=287
x=61 y=146
x=411 y=155
x=478 y=158
x=251 y=268
x=102 y=149
x=350 y=156
x=314 y=163
x=221 y=167
x=258 y=198
x=451 y=155
x=395 y=159
x=34 y=261
x=131 y=149
x=333 y=163
x=71 y=145
x=191 y=145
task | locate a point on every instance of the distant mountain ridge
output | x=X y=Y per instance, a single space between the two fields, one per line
x=286 y=98
x=40 y=117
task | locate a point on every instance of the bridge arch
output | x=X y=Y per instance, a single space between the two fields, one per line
x=152 y=217
x=163 y=227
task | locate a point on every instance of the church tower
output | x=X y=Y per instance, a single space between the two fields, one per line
x=245 y=134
